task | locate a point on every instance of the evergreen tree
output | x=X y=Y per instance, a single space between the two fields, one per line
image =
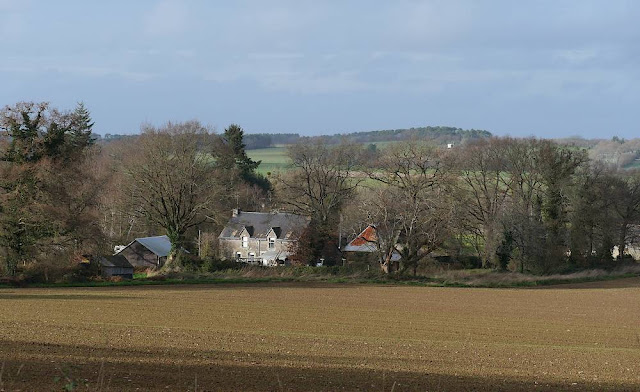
x=81 y=127
x=45 y=194
x=234 y=156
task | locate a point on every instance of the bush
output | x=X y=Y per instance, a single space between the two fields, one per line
x=213 y=265
x=187 y=262
x=47 y=272
x=470 y=262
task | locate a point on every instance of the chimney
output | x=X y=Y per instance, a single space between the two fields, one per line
x=235 y=212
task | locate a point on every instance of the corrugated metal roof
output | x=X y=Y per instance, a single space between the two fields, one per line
x=160 y=245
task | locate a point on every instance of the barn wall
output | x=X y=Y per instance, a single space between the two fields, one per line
x=139 y=256
x=117 y=271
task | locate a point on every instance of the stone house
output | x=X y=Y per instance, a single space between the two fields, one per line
x=264 y=238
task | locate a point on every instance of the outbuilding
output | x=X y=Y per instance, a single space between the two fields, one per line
x=150 y=252
x=115 y=265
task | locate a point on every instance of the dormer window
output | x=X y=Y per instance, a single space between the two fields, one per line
x=245 y=242
x=272 y=242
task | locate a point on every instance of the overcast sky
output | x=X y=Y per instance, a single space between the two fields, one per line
x=544 y=68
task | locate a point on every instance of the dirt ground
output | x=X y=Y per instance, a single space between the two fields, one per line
x=290 y=337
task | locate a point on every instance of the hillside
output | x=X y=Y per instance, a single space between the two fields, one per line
x=439 y=135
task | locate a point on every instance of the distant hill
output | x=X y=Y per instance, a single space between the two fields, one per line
x=438 y=135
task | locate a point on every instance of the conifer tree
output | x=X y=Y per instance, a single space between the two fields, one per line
x=81 y=127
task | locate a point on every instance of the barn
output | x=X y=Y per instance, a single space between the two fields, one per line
x=149 y=252
x=115 y=265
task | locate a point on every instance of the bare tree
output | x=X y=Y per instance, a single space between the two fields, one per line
x=171 y=180
x=485 y=189
x=322 y=180
x=413 y=210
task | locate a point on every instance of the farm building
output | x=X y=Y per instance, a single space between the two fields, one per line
x=261 y=237
x=115 y=265
x=148 y=252
x=364 y=246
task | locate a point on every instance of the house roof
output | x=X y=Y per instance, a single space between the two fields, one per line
x=284 y=225
x=159 y=245
x=366 y=242
x=114 y=261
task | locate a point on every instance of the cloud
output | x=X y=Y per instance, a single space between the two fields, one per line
x=168 y=17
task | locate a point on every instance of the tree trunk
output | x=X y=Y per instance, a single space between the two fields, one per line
x=622 y=240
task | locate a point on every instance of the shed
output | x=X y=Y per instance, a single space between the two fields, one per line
x=115 y=265
x=150 y=252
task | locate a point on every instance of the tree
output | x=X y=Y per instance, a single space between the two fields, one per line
x=171 y=180
x=321 y=182
x=82 y=125
x=482 y=165
x=231 y=155
x=48 y=190
x=626 y=205
x=556 y=166
x=592 y=221
x=413 y=210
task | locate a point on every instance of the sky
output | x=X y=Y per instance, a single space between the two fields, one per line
x=522 y=68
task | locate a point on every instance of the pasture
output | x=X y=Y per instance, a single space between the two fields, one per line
x=296 y=336
x=273 y=159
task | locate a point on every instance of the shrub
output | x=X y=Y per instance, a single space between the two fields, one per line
x=470 y=262
x=187 y=262
x=213 y=265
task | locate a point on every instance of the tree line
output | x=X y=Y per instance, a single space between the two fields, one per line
x=521 y=204
x=529 y=205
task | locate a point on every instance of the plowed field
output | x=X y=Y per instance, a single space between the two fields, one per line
x=289 y=337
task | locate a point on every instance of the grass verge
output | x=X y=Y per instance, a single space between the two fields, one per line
x=341 y=275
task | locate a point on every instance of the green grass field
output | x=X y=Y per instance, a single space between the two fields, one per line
x=273 y=159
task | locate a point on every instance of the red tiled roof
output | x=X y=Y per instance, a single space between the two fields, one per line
x=367 y=236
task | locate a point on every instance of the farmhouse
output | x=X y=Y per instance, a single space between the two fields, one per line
x=149 y=252
x=261 y=237
x=364 y=246
x=115 y=265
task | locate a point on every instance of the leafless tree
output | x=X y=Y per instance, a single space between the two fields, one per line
x=323 y=178
x=171 y=180
x=412 y=209
x=485 y=187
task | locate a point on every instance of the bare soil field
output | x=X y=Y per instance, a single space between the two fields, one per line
x=290 y=337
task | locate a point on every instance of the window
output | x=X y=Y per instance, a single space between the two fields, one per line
x=252 y=256
x=245 y=242
x=238 y=255
x=272 y=243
